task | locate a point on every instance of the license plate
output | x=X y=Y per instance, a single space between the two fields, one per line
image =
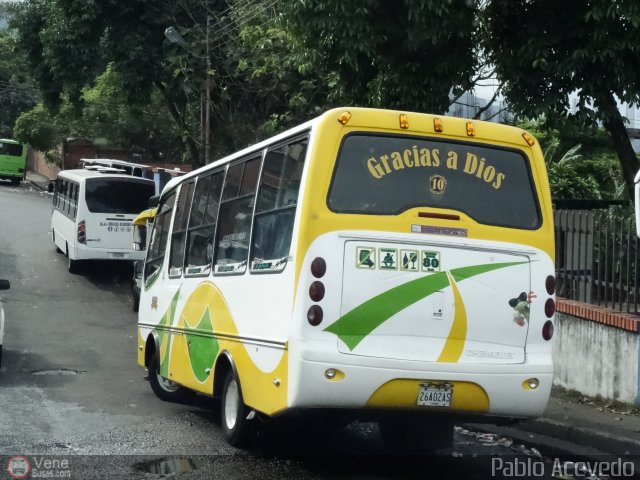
x=431 y=396
x=117 y=254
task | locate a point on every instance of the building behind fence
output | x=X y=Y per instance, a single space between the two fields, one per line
x=597 y=259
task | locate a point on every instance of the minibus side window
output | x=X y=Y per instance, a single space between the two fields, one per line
x=276 y=208
x=159 y=237
x=179 y=232
x=202 y=225
x=236 y=215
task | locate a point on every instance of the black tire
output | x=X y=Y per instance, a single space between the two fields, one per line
x=16 y=181
x=406 y=434
x=73 y=265
x=163 y=388
x=236 y=428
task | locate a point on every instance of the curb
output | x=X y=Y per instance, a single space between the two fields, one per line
x=558 y=438
x=599 y=439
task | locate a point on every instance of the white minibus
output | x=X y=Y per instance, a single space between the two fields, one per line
x=93 y=214
x=377 y=264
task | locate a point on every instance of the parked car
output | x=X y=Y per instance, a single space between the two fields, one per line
x=4 y=285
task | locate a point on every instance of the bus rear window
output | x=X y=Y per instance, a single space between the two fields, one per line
x=387 y=175
x=108 y=195
x=10 y=149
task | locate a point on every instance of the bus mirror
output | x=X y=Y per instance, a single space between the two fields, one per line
x=154 y=201
x=51 y=186
x=4 y=284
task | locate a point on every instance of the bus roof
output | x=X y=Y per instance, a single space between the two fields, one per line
x=379 y=118
x=80 y=174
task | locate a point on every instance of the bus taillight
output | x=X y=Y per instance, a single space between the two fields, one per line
x=316 y=291
x=547 y=330
x=549 y=307
x=82 y=232
x=315 y=315
x=550 y=284
x=318 y=267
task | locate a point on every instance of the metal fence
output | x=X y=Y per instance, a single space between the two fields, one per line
x=597 y=259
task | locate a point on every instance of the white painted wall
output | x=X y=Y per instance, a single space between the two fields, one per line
x=595 y=359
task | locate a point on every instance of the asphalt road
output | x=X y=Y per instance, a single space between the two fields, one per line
x=70 y=388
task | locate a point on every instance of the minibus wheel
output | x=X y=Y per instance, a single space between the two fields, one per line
x=72 y=265
x=235 y=425
x=164 y=388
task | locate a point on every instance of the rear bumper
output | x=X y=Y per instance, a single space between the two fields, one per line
x=380 y=384
x=82 y=252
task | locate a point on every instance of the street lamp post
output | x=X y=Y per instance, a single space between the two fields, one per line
x=174 y=36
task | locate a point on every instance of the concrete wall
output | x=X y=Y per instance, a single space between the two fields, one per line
x=37 y=163
x=596 y=359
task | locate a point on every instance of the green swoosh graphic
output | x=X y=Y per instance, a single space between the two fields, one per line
x=355 y=325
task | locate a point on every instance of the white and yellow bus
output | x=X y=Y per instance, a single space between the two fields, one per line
x=389 y=265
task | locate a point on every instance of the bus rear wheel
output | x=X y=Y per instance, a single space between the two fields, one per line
x=164 y=388
x=236 y=428
x=72 y=265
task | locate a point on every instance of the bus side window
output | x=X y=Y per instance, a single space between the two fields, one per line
x=159 y=237
x=236 y=215
x=176 y=257
x=202 y=224
x=75 y=200
x=276 y=208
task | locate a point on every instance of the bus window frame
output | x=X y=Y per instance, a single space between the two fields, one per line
x=255 y=155
x=150 y=278
x=209 y=174
x=300 y=137
x=187 y=211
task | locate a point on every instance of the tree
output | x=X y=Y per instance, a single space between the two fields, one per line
x=17 y=92
x=550 y=52
x=407 y=54
x=69 y=43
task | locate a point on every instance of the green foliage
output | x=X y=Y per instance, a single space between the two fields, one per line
x=406 y=54
x=581 y=162
x=550 y=51
x=17 y=92
x=107 y=118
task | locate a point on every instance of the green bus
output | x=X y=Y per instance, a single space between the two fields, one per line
x=13 y=160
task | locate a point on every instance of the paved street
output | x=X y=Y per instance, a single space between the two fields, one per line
x=70 y=385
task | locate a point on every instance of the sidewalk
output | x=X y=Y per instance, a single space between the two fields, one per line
x=38 y=180
x=571 y=421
